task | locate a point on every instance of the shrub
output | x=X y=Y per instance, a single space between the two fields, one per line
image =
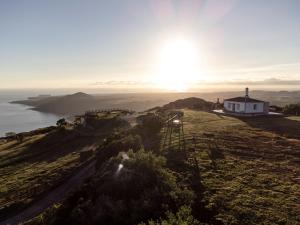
x=143 y=189
x=61 y=122
x=149 y=128
x=182 y=217
x=292 y=109
x=115 y=144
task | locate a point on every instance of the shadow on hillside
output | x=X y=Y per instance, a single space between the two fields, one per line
x=11 y=145
x=58 y=144
x=279 y=125
x=54 y=145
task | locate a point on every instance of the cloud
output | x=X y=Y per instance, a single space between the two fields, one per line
x=147 y=84
x=121 y=83
x=265 y=68
x=266 y=82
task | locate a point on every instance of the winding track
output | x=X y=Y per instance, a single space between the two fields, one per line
x=53 y=197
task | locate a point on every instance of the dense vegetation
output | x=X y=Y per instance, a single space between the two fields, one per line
x=149 y=130
x=292 y=109
x=144 y=188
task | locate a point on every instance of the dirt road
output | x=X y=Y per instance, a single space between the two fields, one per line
x=53 y=197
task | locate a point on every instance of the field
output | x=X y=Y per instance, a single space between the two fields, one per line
x=250 y=168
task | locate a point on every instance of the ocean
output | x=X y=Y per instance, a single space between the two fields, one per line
x=19 y=118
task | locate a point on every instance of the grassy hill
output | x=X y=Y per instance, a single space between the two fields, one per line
x=44 y=159
x=231 y=171
x=250 y=168
x=190 y=103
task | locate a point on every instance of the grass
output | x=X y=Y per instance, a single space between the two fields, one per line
x=250 y=168
x=21 y=183
x=34 y=167
x=41 y=162
x=296 y=118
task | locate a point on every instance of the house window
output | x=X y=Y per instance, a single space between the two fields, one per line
x=238 y=106
x=229 y=105
x=254 y=106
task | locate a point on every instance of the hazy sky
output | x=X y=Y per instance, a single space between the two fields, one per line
x=72 y=43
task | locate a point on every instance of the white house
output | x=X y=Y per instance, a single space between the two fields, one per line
x=246 y=106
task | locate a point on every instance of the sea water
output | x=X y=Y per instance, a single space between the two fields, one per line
x=20 y=118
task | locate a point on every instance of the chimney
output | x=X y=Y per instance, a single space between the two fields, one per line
x=247 y=93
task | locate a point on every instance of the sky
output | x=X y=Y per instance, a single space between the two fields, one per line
x=144 y=44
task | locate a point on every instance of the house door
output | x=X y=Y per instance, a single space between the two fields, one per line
x=233 y=107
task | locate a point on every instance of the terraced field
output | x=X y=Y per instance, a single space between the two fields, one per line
x=250 y=168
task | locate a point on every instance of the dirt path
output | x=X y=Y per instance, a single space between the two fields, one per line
x=53 y=197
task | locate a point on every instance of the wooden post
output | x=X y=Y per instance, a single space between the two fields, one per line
x=183 y=134
x=166 y=132
x=170 y=136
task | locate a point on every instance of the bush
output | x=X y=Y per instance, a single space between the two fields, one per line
x=149 y=129
x=150 y=123
x=182 y=217
x=292 y=109
x=143 y=189
x=107 y=123
x=115 y=144
x=61 y=122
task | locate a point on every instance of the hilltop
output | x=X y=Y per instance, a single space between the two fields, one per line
x=230 y=170
x=190 y=103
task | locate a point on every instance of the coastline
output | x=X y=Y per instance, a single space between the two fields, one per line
x=19 y=118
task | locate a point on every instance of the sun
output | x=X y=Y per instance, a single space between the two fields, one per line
x=177 y=66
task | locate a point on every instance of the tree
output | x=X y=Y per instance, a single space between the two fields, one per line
x=149 y=128
x=61 y=122
x=20 y=138
x=292 y=109
x=141 y=190
x=182 y=217
x=10 y=134
x=115 y=144
x=150 y=123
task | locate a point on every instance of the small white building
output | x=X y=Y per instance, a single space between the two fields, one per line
x=246 y=106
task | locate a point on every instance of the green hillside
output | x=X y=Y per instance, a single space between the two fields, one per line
x=250 y=168
x=231 y=171
x=46 y=158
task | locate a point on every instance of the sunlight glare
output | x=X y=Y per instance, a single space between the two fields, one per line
x=177 y=65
